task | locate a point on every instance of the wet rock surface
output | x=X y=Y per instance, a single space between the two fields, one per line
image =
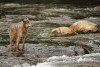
x=39 y=45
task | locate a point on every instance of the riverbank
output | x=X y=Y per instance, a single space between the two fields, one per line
x=39 y=46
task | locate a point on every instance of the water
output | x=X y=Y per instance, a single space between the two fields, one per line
x=88 y=60
x=44 y=18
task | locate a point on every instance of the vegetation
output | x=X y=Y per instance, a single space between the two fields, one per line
x=51 y=35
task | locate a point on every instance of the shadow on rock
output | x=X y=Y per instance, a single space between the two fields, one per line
x=16 y=53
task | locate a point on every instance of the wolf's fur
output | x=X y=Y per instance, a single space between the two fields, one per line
x=84 y=26
x=18 y=31
x=62 y=31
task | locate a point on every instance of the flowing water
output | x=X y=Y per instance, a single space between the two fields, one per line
x=88 y=60
x=44 y=18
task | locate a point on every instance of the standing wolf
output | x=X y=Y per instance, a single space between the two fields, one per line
x=18 y=31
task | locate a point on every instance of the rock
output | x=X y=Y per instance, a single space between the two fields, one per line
x=16 y=53
x=31 y=58
x=3 y=64
x=3 y=49
x=95 y=46
x=9 y=62
x=44 y=51
x=25 y=65
x=17 y=66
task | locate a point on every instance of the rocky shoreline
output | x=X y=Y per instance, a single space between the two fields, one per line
x=35 y=53
x=39 y=46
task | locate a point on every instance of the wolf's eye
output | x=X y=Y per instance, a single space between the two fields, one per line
x=27 y=22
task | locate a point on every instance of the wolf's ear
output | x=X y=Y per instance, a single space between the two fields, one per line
x=25 y=19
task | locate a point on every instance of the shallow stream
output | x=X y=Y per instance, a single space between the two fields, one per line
x=44 y=18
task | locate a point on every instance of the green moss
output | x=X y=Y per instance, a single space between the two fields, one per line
x=85 y=31
x=51 y=35
x=95 y=29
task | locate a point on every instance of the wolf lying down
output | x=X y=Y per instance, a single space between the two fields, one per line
x=81 y=26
